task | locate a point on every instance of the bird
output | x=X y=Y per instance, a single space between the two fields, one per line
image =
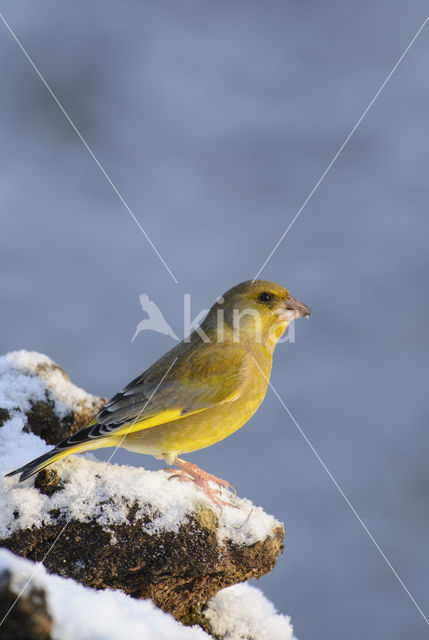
x=201 y=391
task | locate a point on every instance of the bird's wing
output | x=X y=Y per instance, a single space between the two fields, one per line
x=173 y=388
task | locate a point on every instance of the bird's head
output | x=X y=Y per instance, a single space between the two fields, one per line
x=256 y=311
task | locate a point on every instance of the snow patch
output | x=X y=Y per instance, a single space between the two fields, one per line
x=47 y=376
x=242 y=612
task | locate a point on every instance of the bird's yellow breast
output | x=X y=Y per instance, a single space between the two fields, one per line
x=201 y=429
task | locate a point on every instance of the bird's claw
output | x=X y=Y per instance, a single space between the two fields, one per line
x=189 y=472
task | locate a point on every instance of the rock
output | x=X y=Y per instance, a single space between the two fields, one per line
x=178 y=570
x=240 y=612
x=4 y=416
x=22 y=617
x=46 y=419
x=114 y=526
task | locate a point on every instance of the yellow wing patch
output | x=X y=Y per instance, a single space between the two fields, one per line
x=165 y=416
x=154 y=421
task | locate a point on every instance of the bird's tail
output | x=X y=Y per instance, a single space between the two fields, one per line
x=55 y=454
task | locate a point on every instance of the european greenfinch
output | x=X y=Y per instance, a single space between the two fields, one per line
x=199 y=392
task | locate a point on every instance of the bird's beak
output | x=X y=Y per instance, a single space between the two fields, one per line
x=293 y=309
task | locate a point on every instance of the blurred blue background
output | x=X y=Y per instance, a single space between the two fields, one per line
x=215 y=120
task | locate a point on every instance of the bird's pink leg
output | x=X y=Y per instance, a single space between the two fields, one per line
x=189 y=472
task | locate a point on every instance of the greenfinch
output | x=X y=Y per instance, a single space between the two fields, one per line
x=199 y=392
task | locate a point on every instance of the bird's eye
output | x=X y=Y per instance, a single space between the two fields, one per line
x=264 y=297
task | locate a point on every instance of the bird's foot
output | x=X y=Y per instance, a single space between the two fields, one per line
x=189 y=472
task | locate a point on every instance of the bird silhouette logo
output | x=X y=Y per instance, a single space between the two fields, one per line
x=155 y=320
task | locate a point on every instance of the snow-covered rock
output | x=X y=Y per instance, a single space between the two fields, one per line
x=123 y=527
x=55 y=608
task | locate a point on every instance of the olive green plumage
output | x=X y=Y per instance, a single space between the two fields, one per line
x=199 y=392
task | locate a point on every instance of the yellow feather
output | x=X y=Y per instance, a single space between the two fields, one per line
x=153 y=421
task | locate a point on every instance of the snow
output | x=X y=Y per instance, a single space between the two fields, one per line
x=92 y=489
x=50 y=376
x=242 y=612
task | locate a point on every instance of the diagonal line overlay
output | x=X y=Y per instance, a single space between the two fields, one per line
x=322 y=177
x=316 y=186
x=349 y=504
x=86 y=145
